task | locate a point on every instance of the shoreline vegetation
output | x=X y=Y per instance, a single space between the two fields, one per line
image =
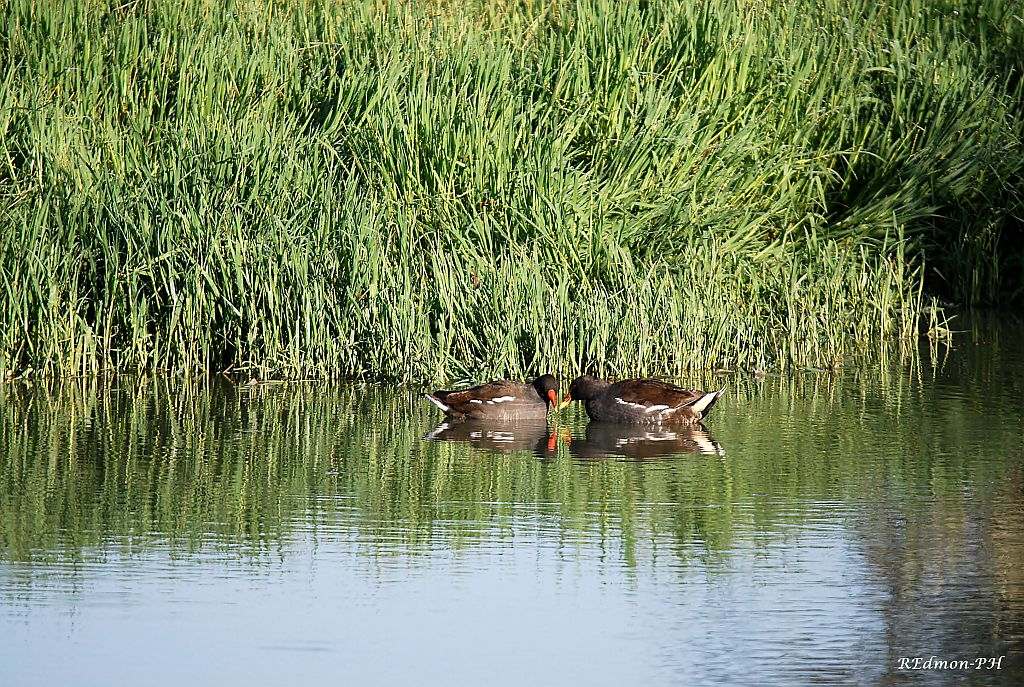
x=410 y=191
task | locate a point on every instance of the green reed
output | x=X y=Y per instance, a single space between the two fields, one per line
x=421 y=190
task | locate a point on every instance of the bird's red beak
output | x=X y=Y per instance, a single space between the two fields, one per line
x=553 y=398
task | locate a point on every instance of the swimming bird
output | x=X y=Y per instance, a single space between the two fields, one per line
x=642 y=401
x=500 y=400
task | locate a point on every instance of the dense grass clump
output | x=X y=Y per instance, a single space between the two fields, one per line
x=414 y=190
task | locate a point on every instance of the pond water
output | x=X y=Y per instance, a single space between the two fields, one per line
x=822 y=529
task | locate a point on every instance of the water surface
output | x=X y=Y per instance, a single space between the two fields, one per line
x=822 y=528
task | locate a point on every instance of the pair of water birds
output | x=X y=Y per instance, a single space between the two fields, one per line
x=632 y=401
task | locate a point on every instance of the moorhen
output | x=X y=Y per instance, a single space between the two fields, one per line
x=642 y=401
x=500 y=400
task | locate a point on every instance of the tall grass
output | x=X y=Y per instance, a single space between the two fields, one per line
x=414 y=190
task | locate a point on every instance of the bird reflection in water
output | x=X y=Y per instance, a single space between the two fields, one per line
x=600 y=440
x=638 y=442
x=503 y=437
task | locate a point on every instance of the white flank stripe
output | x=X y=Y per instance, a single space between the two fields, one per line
x=502 y=399
x=654 y=409
x=627 y=403
x=475 y=400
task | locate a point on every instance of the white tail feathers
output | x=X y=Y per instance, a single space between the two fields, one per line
x=703 y=404
x=436 y=402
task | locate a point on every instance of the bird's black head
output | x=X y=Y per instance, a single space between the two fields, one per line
x=585 y=387
x=547 y=387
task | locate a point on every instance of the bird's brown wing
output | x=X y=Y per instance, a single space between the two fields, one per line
x=463 y=399
x=651 y=392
